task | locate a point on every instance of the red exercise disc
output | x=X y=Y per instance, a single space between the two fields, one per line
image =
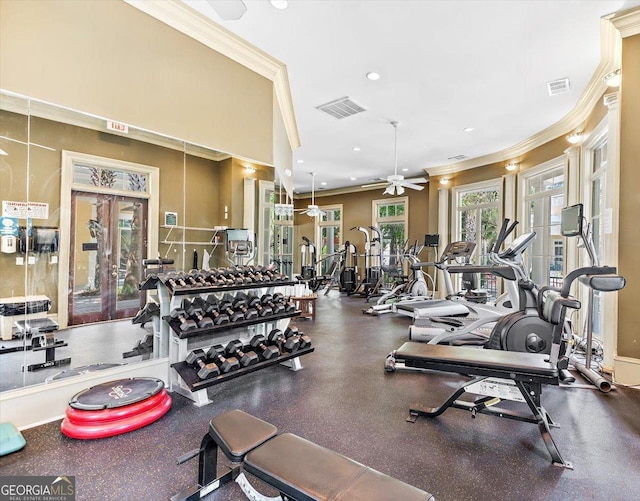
x=125 y=425
x=111 y=415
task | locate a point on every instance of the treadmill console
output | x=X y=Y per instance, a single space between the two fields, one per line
x=456 y=250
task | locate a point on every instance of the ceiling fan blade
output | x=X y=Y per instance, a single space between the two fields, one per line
x=411 y=185
x=416 y=180
x=229 y=10
x=374 y=185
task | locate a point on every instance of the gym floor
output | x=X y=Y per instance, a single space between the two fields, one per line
x=344 y=400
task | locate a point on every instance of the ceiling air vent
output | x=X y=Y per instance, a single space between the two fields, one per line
x=558 y=86
x=341 y=108
x=458 y=157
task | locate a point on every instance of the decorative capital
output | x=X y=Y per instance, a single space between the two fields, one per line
x=611 y=100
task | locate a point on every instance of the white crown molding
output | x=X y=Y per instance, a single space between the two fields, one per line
x=627 y=22
x=609 y=61
x=186 y=20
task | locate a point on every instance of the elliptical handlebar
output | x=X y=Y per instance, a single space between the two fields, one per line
x=505 y=231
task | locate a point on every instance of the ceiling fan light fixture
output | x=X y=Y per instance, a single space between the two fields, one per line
x=575 y=138
x=613 y=78
x=399 y=190
x=389 y=190
x=279 y=4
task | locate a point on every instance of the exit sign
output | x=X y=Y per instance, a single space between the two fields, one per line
x=117 y=126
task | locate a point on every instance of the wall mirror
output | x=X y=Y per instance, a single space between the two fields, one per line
x=85 y=201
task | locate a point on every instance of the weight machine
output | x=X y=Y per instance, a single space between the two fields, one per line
x=373 y=277
x=240 y=247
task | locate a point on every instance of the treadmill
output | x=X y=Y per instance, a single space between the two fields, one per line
x=426 y=308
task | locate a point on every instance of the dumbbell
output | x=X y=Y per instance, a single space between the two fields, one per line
x=196 y=359
x=289 y=345
x=304 y=340
x=287 y=304
x=266 y=300
x=224 y=364
x=186 y=324
x=266 y=352
x=253 y=301
x=192 y=311
x=239 y=303
x=174 y=281
x=211 y=308
x=235 y=349
x=224 y=306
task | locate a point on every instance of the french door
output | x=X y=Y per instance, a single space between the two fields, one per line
x=108 y=244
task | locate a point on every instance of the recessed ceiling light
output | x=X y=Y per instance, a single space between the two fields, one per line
x=300 y=161
x=467 y=129
x=323 y=183
x=356 y=148
x=279 y=4
x=372 y=75
x=352 y=178
x=405 y=170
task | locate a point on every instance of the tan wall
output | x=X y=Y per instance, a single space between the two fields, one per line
x=357 y=211
x=110 y=59
x=196 y=202
x=629 y=242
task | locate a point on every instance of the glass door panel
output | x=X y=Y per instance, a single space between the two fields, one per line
x=107 y=248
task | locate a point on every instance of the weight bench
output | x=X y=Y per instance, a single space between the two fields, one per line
x=500 y=375
x=298 y=468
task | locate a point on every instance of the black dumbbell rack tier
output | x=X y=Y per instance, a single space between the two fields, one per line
x=182 y=291
x=190 y=377
x=175 y=324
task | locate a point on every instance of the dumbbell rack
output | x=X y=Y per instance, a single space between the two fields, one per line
x=170 y=341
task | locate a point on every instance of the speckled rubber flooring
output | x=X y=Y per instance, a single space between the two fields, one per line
x=344 y=400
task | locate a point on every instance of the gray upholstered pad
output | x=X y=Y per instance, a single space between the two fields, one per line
x=237 y=432
x=474 y=360
x=307 y=471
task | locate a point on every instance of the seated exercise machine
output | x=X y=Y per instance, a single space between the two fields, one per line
x=373 y=278
x=297 y=468
x=501 y=375
x=524 y=329
x=240 y=249
x=308 y=267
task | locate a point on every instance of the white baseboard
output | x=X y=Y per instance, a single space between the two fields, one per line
x=627 y=370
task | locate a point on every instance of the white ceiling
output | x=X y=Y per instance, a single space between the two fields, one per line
x=444 y=66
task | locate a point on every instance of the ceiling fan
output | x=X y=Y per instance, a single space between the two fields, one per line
x=396 y=183
x=232 y=10
x=312 y=209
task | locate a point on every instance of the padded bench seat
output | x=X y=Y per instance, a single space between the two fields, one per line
x=299 y=469
x=481 y=362
x=308 y=472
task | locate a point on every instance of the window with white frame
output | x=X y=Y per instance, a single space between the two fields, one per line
x=543 y=195
x=329 y=236
x=595 y=172
x=477 y=219
x=391 y=215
